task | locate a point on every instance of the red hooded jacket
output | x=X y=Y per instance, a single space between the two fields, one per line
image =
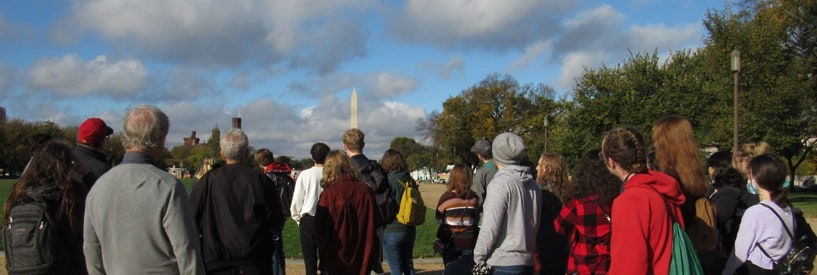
x=642 y=216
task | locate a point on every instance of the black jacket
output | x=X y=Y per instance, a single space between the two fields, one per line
x=95 y=162
x=235 y=213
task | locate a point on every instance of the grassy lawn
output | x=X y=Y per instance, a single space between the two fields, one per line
x=292 y=246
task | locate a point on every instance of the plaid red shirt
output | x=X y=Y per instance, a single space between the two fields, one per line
x=588 y=226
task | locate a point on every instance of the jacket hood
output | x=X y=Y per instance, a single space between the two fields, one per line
x=662 y=183
x=400 y=175
x=522 y=174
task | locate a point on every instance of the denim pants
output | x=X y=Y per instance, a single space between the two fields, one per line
x=399 y=250
x=512 y=270
x=278 y=259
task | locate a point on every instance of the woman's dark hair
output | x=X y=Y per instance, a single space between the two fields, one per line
x=625 y=145
x=769 y=173
x=393 y=161
x=724 y=174
x=591 y=177
x=728 y=177
x=50 y=170
x=720 y=159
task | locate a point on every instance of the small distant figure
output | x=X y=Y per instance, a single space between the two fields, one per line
x=511 y=213
x=91 y=137
x=486 y=171
x=305 y=203
x=46 y=186
x=236 y=212
x=137 y=216
x=346 y=214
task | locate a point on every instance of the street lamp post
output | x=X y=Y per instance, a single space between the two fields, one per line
x=546 y=123
x=736 y=71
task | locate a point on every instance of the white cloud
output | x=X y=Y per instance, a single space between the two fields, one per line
x=574 y=64
x=599 y=36
x=211 y=33
x=650 y=37
x=532 y=52
x=485 y=24
x=390 y=85
x=593 y=29
x=70 y=76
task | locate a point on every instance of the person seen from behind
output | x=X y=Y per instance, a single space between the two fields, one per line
x=643 y=214
x=727 y=189
x=677 y=154
x=345 y=219
x=236 y=212
x=91 y=137
x=282 y=183
x=552 y=248
x=304 y=204
x=48 y=182
x=510 y=221
x=764 y=235
x=398 y=239
x=585 y=217
x=458 y=215
x=353 y=144
x=137 y=216
x=486 y=171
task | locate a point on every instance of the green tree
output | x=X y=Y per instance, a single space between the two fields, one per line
x=777 y=82
x=498 y=104
x=417 y=155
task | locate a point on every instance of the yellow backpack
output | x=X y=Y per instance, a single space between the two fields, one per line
x=412 y=209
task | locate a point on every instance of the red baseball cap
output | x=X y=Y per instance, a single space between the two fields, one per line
x=93 y=131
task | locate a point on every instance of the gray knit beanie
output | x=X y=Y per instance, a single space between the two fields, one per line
x=508 y=149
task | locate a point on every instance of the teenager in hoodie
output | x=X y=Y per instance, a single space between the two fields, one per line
x=511 y=217
x=643 y=213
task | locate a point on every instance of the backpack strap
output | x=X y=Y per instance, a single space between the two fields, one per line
x=791 y=235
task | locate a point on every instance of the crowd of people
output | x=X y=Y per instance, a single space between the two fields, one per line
x=613 y=215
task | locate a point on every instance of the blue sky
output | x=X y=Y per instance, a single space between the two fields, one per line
x=288 y=67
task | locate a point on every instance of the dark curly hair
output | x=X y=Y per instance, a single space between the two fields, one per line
x=591 y=177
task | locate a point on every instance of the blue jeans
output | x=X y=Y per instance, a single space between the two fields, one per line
x=399 y=250
x=278 y=259
x=512 y=270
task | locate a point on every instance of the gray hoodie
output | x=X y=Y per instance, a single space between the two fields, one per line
x=510 y=220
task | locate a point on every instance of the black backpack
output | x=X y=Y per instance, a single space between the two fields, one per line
x=29 y=239
x=375 y=177
x=284 y=188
